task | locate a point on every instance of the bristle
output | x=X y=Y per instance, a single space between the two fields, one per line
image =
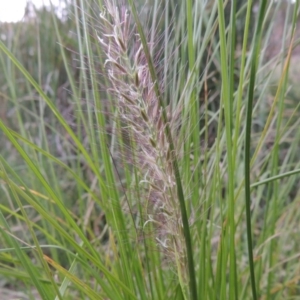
x=139 y=108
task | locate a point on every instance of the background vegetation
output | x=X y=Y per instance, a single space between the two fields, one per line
x=152 y=154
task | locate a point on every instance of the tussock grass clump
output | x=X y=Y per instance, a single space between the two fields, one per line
x=173 y=175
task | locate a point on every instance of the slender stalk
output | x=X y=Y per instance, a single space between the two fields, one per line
x=226 y=101
x=186 y=229
x=255 y=57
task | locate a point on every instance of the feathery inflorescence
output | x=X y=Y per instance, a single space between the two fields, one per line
x=139 y=109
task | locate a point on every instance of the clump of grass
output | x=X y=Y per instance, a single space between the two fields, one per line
x=65 y=229
x=142 y=118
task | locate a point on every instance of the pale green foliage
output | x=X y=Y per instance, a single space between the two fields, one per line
x=103 y=128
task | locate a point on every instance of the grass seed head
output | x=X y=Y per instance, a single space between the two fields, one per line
x=139 y=108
